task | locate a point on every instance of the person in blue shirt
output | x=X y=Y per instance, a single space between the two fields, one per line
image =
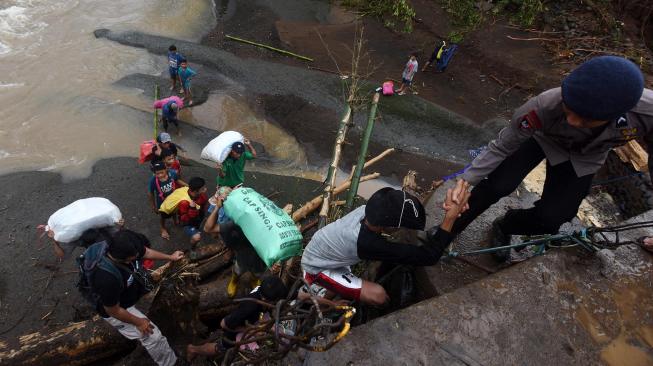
x=169 y=115
x=173 y=65
x=185 y=75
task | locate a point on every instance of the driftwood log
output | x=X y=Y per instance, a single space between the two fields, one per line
x=75 y=344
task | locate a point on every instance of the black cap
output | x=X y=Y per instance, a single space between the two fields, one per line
x=238 y=147
x=390 y=207
x=158 y=165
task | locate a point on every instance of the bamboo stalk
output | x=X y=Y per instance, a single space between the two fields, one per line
x=333 y=167
x=156 y=111
x=288 y=53
x=313 y=204
x=363 y=152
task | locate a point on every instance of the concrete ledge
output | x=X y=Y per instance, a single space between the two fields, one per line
x=556 y=309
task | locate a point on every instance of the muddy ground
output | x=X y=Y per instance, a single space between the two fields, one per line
x=489 y=76
x=34 y=284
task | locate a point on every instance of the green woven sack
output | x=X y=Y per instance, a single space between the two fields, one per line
x=271 y=230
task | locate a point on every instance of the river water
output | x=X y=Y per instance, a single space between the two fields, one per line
x=59 y=109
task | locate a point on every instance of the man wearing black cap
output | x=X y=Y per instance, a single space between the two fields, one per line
x=232 y=170
x=327 y=259
x=602 y=104
x=118 y=294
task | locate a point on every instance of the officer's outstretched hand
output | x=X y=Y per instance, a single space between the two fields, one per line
x=456 y=200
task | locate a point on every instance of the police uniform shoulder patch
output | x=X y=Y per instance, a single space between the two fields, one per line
x=621 y=122
x=530 y=121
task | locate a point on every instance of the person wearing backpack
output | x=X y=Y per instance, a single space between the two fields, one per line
x=162 y=183
x=112 y=279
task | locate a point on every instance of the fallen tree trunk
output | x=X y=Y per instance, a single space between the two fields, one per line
x=214 y=264
x=85 y=342
x=76 y=344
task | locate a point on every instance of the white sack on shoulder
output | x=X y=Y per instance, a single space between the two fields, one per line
x=68 y=223
x=219 y=148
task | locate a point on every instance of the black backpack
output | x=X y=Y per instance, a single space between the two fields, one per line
x=91 y=260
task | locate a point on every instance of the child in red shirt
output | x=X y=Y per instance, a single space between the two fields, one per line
x=191 y=213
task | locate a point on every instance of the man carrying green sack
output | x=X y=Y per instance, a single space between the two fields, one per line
x=258 y=232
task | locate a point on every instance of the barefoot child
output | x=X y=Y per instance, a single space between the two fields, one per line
x=173 y=65
x=162 y=183
x=185 y=75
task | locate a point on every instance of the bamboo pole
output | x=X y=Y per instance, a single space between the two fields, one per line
x=333 y=167
x=363 y=152
x=156 y=111
x=313 y=204
x=288 y=53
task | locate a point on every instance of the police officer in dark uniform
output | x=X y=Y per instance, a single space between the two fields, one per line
x=602 y=104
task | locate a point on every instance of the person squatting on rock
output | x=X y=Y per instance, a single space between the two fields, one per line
x=191 y=213
x=271 y=289
x=119 y=288
x=245 y=257
x=601 y=104
x=328 y=257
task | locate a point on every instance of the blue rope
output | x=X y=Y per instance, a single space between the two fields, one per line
x=519 y=245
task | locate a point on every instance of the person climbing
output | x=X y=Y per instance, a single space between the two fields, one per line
x=162 y=183
x=328 y=257
x=118 y=285
x=407 y=75
x=191 y=213
x=245 y=257
x=231 y=172
x=169 y=115
x=271 y=289
x=600 y=105
x=436 y=55
x=185 y=75
x=173 y=65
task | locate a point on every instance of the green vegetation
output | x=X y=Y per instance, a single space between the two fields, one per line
x=522 y=12
x=466 y=15
x=394 y=13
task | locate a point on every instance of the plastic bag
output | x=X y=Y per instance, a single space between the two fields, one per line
x=68 y=223
x=170 y=204
x=269 y=229
x=219 y=148
x=158 y=104
x=146 y=151
x=388 y=88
